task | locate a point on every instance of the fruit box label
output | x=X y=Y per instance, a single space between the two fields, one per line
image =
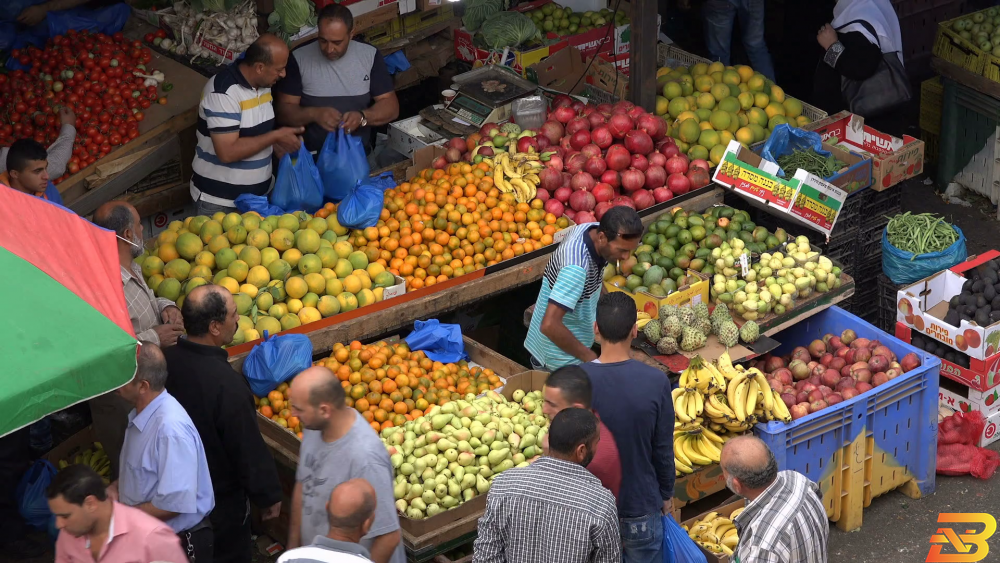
x=893 y=159
x=519 y=61
x=951 y=400
x=924 y=304
x=979 y=378
x=764 y=186
x=818 y=202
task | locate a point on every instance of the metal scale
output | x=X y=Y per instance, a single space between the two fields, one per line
x=475 y=104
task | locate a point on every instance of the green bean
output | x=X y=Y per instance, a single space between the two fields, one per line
x=920 y=234
x=810 y=161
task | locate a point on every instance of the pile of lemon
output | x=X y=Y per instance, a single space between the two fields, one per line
x=283 y=271
x=709 y=105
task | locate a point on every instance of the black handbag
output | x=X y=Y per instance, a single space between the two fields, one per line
x=881 y=92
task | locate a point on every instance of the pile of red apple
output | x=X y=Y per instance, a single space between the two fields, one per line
x=832 y=370
x=608 y=155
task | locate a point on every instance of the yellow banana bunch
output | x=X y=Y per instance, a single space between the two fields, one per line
x=95 y=457
x=698 y=376
x=715 y=533
x=517 y=173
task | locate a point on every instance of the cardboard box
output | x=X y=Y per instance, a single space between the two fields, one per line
x=156 y=223
x=519 y=61
x=923 y=306
x=609 y=73
x=806 y=198
x=688 y=294
x=422 y=158
x=981 y=377
x=425 y=5
x=893 y=159
x=422 y=19
x=563 y=72
x=73 y=445
x=949 y=397
x=724 y=510
x=374 y=12
x=858 y=174
x=961 y=397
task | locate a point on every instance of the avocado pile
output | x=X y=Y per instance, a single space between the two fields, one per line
x=679 y=240
x=979 y=301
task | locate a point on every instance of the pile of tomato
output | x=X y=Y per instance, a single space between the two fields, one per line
x=92 y=74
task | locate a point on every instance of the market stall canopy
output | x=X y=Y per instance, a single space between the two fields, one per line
x=65 y=332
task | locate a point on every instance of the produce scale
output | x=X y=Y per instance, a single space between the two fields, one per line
x=485 y=95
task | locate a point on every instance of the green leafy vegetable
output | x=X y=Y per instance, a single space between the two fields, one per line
x=479 y=11
x=293 y=15
x=508 y=29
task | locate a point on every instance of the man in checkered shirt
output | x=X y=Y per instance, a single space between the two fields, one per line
x=784 y=520
x=554 y=510
x=154 y=319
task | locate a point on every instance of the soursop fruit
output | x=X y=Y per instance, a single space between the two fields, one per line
x=667 y=345
x=667 y=311
x=700 y=311
x=692 y=339
x=686 y=315
x=652 y=331
x=729 y=334
x=672 y=327
x=703 y=325
x=750 y=332
x=721 y=312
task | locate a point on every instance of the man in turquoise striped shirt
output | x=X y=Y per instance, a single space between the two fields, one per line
x=562 y=324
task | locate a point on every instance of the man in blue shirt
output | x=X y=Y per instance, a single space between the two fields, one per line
x=561 y=330
x=164 y=471
x=27 y=170
x=633 y=401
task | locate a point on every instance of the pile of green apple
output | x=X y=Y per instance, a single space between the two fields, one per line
x=982 y=29
x=554 y=18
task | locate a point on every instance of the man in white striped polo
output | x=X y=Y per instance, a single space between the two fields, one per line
x=236 y=133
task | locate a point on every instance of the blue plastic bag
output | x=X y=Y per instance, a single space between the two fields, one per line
x=441 y=343
x=276 y=360
x=298 y=186
x=784 y=139
x=363 y=206
x=342 y=163
x=678 y=547
x=257 y=204
x=32 y=502
x=903 y=267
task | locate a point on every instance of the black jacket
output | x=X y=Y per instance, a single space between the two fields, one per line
x=220 y=404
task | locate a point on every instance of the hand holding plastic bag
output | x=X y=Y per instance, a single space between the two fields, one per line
x=441 y=343
x=785 y=139
x=298 y=186
x=363 y=206
x=342 y=163
x=276 y=360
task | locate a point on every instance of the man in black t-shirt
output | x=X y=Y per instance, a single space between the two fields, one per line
x=334 y=82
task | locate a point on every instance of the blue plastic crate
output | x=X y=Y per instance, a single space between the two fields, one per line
x=864 y=447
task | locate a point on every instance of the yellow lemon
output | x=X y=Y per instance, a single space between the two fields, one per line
x=294 y=305
x=210 y=229
x=152 y=265
x=188 y=246
x=236 y=235
x=258 y=238
x=250 y=255
x=309 y=315
x=292 y=256
x=328 y=306
x=258 y=276
x=177 y=269
x=251 y=290
x=268 y=255
x=352 y=284
x=264 y=301
x=296 y=287
x=348 y=302
x=316 y=282
x=282 y=239
x=793 y=107
x=307 y=240
x=267 y=324
x=278 y=310
x=154 y=281
x=200 y=272
x=217 y=244
x=310 y=263
x=289 y=322
x=238 y=270
x=288 y=221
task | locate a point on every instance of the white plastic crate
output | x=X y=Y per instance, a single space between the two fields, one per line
x=408 y=135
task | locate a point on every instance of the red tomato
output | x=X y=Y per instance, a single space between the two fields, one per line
x=144 y=103
x=73 y=167
x=139 y=116
x=161 y=33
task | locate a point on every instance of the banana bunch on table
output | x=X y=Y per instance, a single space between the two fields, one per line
x=517 y=173
x=95 y=457
x=715 y=533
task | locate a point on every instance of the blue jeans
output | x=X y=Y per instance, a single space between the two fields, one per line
x=642 y=538
x=719 y=16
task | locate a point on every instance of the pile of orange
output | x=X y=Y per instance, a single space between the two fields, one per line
x=445 y=223
x=277 y=407
x=390 y=384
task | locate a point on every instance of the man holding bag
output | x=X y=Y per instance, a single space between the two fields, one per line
x=335 y=82
x=236 y=134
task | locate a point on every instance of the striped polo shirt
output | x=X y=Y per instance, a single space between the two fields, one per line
x=572 y=280
x=228 y=105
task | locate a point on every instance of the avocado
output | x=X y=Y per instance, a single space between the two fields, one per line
x=983 y=317
x=967 y=286
x=990 y=276
x=989 y=293
x=954 y=302
x=977 y=286
x=981 y=301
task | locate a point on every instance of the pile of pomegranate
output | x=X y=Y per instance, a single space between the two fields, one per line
x=608 y=155
x=832 y=370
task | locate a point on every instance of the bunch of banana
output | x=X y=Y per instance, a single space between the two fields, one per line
x=752 y=399
x=517 y=173
x=715 y=533
x=695 y=445
x=702 y=376
x=95 y=457
x=641 y=319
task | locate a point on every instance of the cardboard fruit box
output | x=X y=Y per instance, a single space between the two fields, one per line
x=690 y=294
x=808 y=199
x=958 y=397
x=724 y=510
x=980 y=379
x=893 y=159
x=923 y=306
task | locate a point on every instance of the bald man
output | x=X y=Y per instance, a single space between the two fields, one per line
x=338 y=445
x=784 y=521
x=154 y=319
x=220 y=404
x=236 y=134
x=351 y=511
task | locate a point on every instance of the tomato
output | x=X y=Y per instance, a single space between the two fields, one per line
x=161 y=34
x=144 y=103
x=139 y=116
x=133 y=133
x=162 y=101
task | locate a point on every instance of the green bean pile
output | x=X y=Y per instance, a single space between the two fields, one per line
x=810 y=161
x=920 y=234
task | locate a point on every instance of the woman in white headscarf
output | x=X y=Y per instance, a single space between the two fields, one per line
x=854 y=43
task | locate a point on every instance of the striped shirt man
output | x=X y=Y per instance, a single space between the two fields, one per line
x=787 y=523
x=553 y=511
x=572 y=281
x=230 y=104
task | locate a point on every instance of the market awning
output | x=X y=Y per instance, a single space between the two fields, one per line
x=65 y=332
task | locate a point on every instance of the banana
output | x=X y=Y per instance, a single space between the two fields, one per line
x=765 y=391
x=698 y=407
x=716 y=400
x=739 y=400
x=726 y=549
x=736 y=513
x=522 y=192
x=753 y=388
x=498 y=180
x=731 y=389
x=708 y=448
x=676 y=393
x=681 y=467
x=712 y=411
x=680 y=453
x=693 y=454
x=533 y=178
x=712 y=436
x=780 y=410
x=508 y=168
x=680 y=408
x=725 y=364
x=720 y=380
x=63 y=464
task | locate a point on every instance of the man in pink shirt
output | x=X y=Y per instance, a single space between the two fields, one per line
x=94 y=528
x=569 y=387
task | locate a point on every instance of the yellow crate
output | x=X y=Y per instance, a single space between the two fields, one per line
x=950 y=46
x=931 y=145
x=931 y=97
x=383 y=33
x=417 y=21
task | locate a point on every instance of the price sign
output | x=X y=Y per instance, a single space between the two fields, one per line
x=818 y=203
x=741 y=177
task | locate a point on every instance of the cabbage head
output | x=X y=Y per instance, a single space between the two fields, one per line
x=478 y=11
x=508 y=29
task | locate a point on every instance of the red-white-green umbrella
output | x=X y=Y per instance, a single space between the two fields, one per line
x=65 y=333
